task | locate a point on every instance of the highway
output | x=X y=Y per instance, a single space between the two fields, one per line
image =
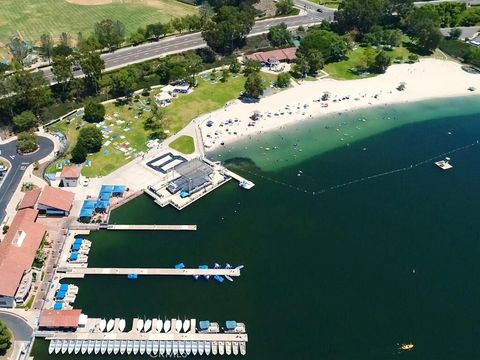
x=19 y=164
x=176 y=44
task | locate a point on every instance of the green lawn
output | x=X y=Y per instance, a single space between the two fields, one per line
x=34 y=17
x=333 y=4
x=206 y=97
x=342 y=70
x=183 y=144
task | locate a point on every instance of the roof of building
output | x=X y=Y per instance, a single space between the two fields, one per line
x=278 y=54
x=59 y=318
x=30 y=199
x=71 y=172
x=56 y=198
x=18 y=249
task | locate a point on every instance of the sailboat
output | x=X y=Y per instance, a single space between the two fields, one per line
x=110 y=347
x=243 y=348
x=228 y=347
x=143 y=346
x=155 y=347
x=147 y=326
x=140 y=325
x=121 y=325
x=84 y=346
x=129 y=347
x=110 y=325
x=178 y=325
x=116 y=347
x=103 y=347
x=149 y=348
x=208 y=347
x=103 y=325
x=51 y=346
x=200 y=347
x=159 y=325
x=169 y=348
x=186 y=325
x=91 y=346
x=166 y=326
x=221 y=347
x=162 y=347
x=175 y=348
x=194 y=347
x=78 y=346
x=214 y=347
x=64 y=346
x=123 y=346
x=181 y=347
x=98 y=345
x=136 y=347
x=188 y=347
x=71 y=346
x=235 y=347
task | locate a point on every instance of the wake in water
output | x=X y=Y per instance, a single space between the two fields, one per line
x=363 y=179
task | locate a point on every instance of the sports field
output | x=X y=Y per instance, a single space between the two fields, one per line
x=31 y=18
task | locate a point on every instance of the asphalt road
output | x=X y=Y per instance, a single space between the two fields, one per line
x=21 y=330
x=177 y=44
x=19 y=164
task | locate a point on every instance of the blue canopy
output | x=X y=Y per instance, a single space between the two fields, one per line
x=204 y=324
x=119 y=189
x=63 y=287
x=105 y=196
x=106 y=188
x=219 y=278
x=203 y=266
x=76 y=247
x=86 y=213
x=180 y=266
x=102 y=204
x=60 y=295
x=231 y=325
x=78 y=241
x=89 y=204
x=58 y=306
x=73 y=256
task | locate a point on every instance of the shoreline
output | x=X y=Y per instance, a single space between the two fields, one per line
x=427 y=79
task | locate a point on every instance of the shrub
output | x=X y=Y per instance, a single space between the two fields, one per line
x=94 y=112
x=27 y=142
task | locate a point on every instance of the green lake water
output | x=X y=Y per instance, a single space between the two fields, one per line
x=343 y=274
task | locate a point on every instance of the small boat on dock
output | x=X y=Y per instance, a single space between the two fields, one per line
x=123 y=346
x=219 y=278
x=175 y=348
x=188 y=347
x=166 y=326
x=407 y=347
x=204 y=267
x=162 y=347
x=246 y=184
x=91 y=346
x=216 y=266
x=64 y=346
x=194 y=347
x=116 y=347
x=129 y=347
x=201 y=347
x=149 y=347
x=168 y=348
x=243 y=348
x=444 y=164
x=78 y=346
x=84 y=347
x=147 y=326
x=159 y=325
x=51 y=346
x=132 y=276
x=178 y=325
x=214 y=348
x=208 y=347
x=228 y=347
x=155 y=347
x=221 y=347
x=136 y=347
x=121 y=325
x=181 y=347
x=143 y=347
x=186 y=325
x=110 y=325
x=103 y=347
x=58 y=346
x=102 y=325
x=71 y=346
x=97 y=347
x=235 y=347
x=140 y=323
x=110 y=345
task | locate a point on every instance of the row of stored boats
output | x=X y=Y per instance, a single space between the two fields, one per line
x=149 y=347
x=146 y=325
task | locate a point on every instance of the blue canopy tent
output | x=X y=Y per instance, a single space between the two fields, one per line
x=204 y=324
x=102 y=206
x=231 y=325
x=63 y=287
x=86 y=213
x=78 y=241
x=89 y=204
x=60 y=295
x=76 y=247
x=118 y=190
x=180 y=266
x=58 y=306
x=73 y=257
x=106 y=188
x=105 y=196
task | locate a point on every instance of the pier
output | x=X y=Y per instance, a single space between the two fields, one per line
x=153 y=227
x=81 y=272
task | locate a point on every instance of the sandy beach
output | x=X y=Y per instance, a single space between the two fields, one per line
x=426 y=79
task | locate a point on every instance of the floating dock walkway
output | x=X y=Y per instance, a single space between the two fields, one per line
x=152 y=227
x=81 y=272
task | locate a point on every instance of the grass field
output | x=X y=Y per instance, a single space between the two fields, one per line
x=206 y=97
x=183 y=144
x=31 y=18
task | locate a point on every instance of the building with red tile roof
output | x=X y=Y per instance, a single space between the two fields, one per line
x=54 y=201
x=70 y=176
x=274 y=56
x=29 y=199
x=59 y=319
x=17 y=253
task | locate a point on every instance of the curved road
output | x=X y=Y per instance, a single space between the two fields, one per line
x=177 y=44
x=19 y=164
x=20 y=328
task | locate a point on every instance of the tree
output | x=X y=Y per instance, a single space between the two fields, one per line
x=137 y=37
x=192 y=22
x=315 y=61
x=284 y=7
x=228 y=28
x=360 y=15
x=193 y=65
x=225 y=74
x=455 y=33
x=27 y=142
x=24 y=121
x=5 y=337
x=278 y=35
x=178 y=24
x=79 y=154
x=31 y=90
x=301 y=67
x=332 y=46
x=89 y=44
x=251 y=67
x=90 y=137
x=46 y=45
x=110 y=33
x=234 y=66
x=122 y=82
x=92 y=66
x=254 y=86
x=18 y=48
x=156 y=30
x=382 y=62
x=62 y=69
x=283 y=80
x=62 y=50
x=94 y=112
x=65 y=39
x=206 y=12
x=423 y=25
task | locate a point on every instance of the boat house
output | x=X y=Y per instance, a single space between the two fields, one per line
x=62 y=320
x=70 y=176
x=55 y=202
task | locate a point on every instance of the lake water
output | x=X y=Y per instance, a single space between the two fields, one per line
x=332 y=270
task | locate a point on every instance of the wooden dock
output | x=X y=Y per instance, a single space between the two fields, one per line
x=81 y=272
x=153 y=227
